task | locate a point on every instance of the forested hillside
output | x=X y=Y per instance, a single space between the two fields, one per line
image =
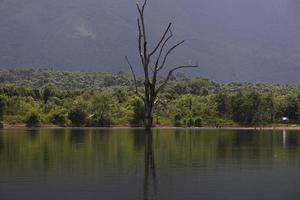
x=44 y=96
x=75 y=81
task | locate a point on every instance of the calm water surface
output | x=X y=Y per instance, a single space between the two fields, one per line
x=167 y=164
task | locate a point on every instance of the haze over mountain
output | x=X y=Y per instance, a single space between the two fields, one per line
x=231 y=40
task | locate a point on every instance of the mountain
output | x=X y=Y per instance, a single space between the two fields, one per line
x=232 y=40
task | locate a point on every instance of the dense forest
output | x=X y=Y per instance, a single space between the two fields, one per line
x=44 y=96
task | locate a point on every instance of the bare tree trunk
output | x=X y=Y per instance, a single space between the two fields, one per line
x=150 y=170
x=151 y=85
x=148 y=116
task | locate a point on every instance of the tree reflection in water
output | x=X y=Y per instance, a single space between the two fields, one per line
x=150 y=181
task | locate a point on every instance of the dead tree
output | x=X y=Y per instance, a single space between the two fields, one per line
x=152 y=86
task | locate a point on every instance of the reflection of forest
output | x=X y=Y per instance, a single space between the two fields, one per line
x=24 y=150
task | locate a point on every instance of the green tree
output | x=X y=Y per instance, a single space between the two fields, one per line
x=223 y=102
x=3 y=106
x=104 y=108
x=33 y=119
x=188 y=107
x=198 y=122
x=138 y=111
x=266 y=109
x=50 y=91
x=58 y=117
x=288 y=106
x=292 y=107
x=245 y=108
x=77 y=115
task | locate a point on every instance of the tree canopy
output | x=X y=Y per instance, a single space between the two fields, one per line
x=110 y=99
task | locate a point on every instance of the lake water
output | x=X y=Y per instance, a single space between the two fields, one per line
x=167 y=164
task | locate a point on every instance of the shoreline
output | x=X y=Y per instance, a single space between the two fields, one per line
x=51 y=126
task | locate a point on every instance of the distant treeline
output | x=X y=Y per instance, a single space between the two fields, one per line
x=44 y=96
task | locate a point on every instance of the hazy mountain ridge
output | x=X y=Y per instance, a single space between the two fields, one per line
x=233 y=40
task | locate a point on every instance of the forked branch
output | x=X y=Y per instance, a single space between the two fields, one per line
x=162 y=48
x=156 y=67
x=134 y=78
x=168 y=53
x=161 y=40
x=144 y=5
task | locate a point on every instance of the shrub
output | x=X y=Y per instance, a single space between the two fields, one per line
x=77 y=116
x=198 y=122
x=14 y=119
x=177 y=119
x=137 y=106
x=97 y=121
x=33 y=119
x=3 y=105
x=190 y=123
x=104 y=108
x=58 y=117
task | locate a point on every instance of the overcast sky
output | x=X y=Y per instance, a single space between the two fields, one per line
x=232 y=40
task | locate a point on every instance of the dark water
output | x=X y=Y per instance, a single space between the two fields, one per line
x=169 y=164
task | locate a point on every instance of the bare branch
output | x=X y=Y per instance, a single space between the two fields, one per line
x=162 y=48
x=139 y=8
x=141 y=13
x=161 y=40
x=168 y=53
x=141 y=23
x=140 y=40
x=144 y=5
x=158 y=58
x=143 y=39
x=134 y=78
x=143 y=44
x=170 y=74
